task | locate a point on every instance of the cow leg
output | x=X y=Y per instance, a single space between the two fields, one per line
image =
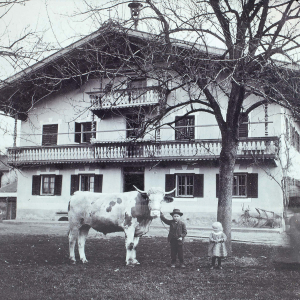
x=129 y=245
x=135 y=243
x=83 y=232
x=73 y=235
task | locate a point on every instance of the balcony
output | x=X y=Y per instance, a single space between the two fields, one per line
x=124 y=98
x=258 y=148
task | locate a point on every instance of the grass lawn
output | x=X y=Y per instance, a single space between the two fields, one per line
x=37 y=267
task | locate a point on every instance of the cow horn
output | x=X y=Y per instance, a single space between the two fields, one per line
x=167 y=193
x=142 y=192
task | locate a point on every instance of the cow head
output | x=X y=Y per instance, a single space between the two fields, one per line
x=156 y=196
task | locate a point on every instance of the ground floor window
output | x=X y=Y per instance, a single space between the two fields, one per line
x=47 y=185
x=86 y=182
x=239 y=185
x=244 y=185
x=187 y=185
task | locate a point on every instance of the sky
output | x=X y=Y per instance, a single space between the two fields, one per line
x=55 y=21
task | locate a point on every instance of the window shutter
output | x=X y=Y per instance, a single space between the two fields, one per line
x=50 y=134
x=58 y=184
x=74 y=184
x=36 y=184
x=77 y=138
x=243 y=128
x=88 y=128
x=198 y=185
x=98 y=183
x=252 y=185
x=217 y=185
x=170 y=184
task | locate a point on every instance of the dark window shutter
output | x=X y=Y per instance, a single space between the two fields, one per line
x=98 y=183
x=252 y=185
x=170 y=184
x=74 y=184
x=198 y=185
x=58 y=184
x=243 y=128
x=77 y=132
x=36 y=184
x=50 y=134
x=217 y=185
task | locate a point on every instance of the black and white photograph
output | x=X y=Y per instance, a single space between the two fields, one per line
x=150 y=149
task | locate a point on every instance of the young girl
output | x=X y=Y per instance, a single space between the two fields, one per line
x=217 y=248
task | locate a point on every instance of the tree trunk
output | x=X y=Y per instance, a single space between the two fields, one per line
x=227 y=162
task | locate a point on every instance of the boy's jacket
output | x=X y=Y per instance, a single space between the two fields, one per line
x=177 y=230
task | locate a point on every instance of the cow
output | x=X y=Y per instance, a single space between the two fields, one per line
x=131 y=212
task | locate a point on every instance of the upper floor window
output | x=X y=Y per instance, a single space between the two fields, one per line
x=133 y=125
x=83 y=132
x=137 y=83
x=49 y=134
x=48 y=185
x=244 y=126
x=185 y=128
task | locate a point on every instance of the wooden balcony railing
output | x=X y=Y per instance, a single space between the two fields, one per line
x=143 y=150
x=125 y=98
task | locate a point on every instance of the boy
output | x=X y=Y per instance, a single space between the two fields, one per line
x=176 y=236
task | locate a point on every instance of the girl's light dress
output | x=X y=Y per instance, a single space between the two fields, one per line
x=217 y=244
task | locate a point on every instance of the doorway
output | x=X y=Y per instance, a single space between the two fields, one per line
x=133 y=176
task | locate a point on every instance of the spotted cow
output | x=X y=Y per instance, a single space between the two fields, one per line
x=131 y=212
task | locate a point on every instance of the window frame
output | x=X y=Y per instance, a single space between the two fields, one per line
x=238 y=186
x=49 y=139
x=82 y=134
x=183 y=133
x=88 y=176
x=186 y=185
x=47 y=193
x=133 y=125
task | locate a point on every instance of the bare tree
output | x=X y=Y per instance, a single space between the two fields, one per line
x=257 y=42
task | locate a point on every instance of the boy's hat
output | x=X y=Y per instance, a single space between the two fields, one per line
x=176 y=212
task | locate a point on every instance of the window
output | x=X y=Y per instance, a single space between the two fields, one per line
x=48 y=185
x=188 y=185
x=185 y=128
x=133 y=125
x=49 y=135
x=83 y=132
x=48 y=182
x=239 y=185
x=86 y=182
x=244 y=185
x=137 y=83
x=243 y=128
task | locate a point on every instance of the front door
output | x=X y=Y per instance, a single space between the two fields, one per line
x=133 y=176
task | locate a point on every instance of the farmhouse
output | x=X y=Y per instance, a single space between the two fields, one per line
x=84 y=126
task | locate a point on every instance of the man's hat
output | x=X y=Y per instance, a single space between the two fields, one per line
x=177 y=212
